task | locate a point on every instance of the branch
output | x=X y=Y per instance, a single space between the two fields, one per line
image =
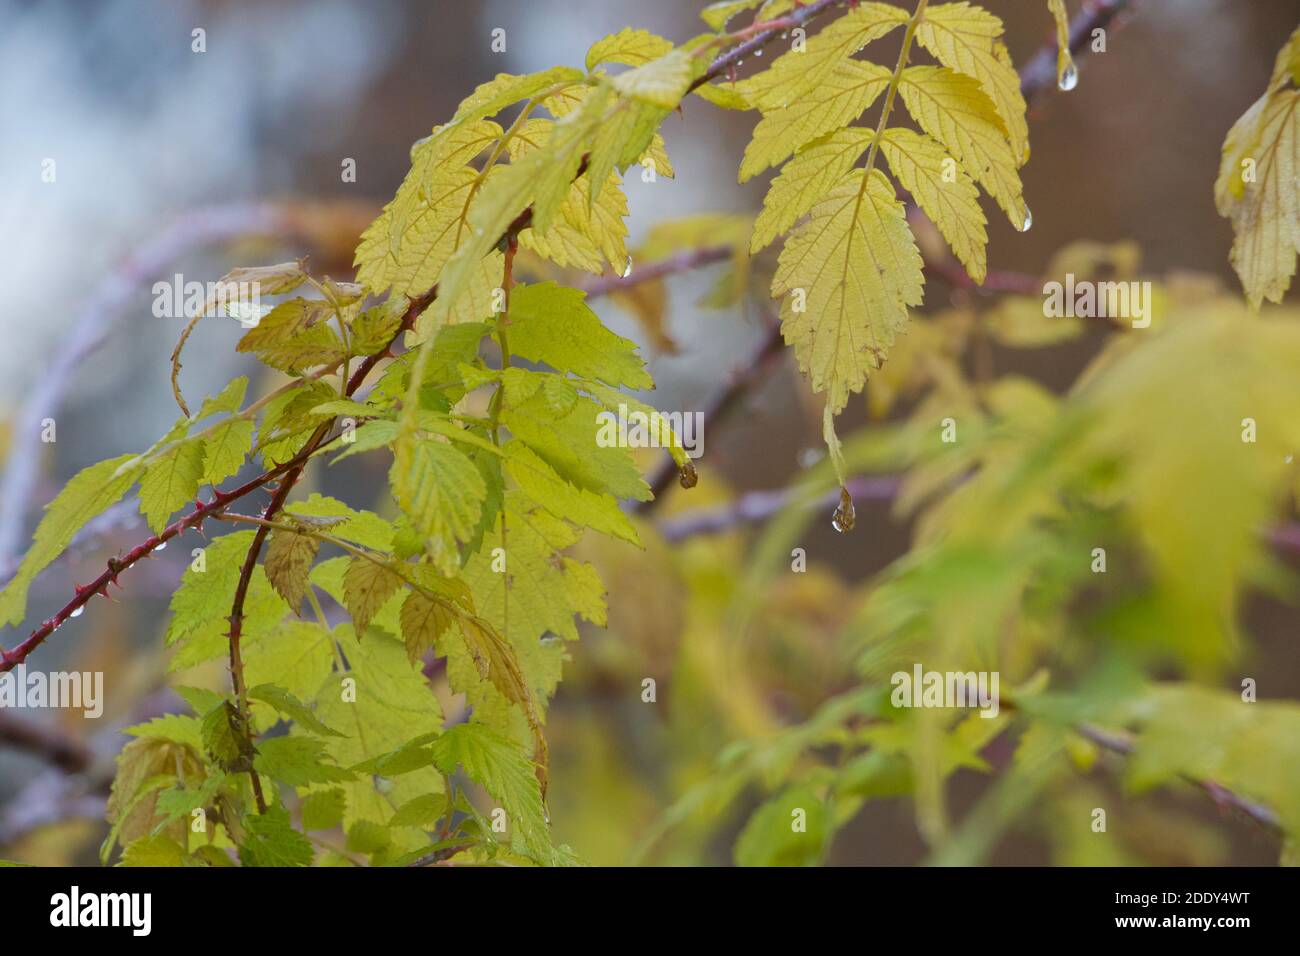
x=1221 y=795
x=67 y=754
x=682 y=262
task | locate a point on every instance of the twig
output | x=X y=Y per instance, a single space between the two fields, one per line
x=682 y=262
x=1221 y=795
x=757 y=506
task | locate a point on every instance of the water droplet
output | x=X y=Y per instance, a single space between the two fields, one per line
x=1069 y=78
x=688 y=477
x=740 y=63
x=627 y=268
x=162 y=546
x=845 y=515
x=810 y=456
x=1028 y=222
x=78 y=611
x=758 y=53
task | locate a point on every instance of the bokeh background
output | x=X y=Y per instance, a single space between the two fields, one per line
x=173 y=161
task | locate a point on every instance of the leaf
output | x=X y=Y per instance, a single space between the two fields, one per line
x=297 y=762
x=423 y=811
x=1265 y=212
x=292 y=708
x=796 y=74
x=440 y=490
x=226 y=401
x=424 y=621
x=295 y=335
x=717 y=14
x=88 y=494
x=770 y=838
x=386 y=703
x=154 y=851
x=406 y=247
x=918 y=162
x=846 y=93
x=367 y=586
x=953 y=109
x=540 y=482
x=859 y=268
x=271 y=840
x=805 y=180
x=323 y=809
x=497 y=764
x=966 y=38
x=225 y=450
x=627 y=46
x=661 y=82
x=553 y=324
x=289 y=557
x=492 y=97
x=170 y=482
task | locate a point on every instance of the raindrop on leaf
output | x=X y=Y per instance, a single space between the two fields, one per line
x=687 y=476
x=1069 y=78
x=845 y=515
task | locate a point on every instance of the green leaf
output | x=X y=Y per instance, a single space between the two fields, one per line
x=226 y=449
x=423 y=811
x=553 y=324
x=498 y=765
x=440 y=490
x=297 y=761
x=169 y=482
x=790 y=830
x=323 y=809
x=271 y=840
x=292 y=708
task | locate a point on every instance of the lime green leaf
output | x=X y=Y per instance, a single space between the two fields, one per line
x=88 y=494
x=507 y=774
x=271 y=840
x=323 y=809
x=297 y=762
x=169 y=482
x=553 y=324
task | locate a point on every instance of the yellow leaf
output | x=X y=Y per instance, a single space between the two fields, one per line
x=953 y=109
x=967 y=39
x=796 y=74
x=848 y=91
x=629 y=46
x=951 y=201
x=848 y=275
x=806 y=179
x=1067 y=74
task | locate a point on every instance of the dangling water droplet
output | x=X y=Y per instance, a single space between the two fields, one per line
x=1028 y=221
x=688 y=477
x=627 y=267
x=845 y=515
x=1069 y=78
x=758 y=53
x=78 y=611
x=162 y=546
x=740 y=63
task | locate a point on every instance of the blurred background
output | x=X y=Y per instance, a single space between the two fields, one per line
x=168 y=160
